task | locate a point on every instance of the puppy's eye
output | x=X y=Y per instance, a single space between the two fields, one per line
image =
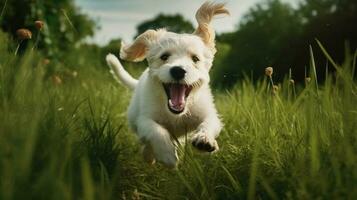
x=165 y=56
x=195 y=59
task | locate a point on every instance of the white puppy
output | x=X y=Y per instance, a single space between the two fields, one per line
x=172 y=97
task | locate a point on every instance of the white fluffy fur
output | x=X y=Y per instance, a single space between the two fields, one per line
x=148 y=112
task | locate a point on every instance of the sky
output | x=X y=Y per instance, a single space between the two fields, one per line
x=119 y=18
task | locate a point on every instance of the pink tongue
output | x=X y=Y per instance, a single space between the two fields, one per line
x=177 y=92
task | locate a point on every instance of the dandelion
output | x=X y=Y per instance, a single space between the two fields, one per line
x=74 y=74
x=307 y=80
x=123 y=196
x=22 y=34
x=39 y=24
x=275 y=89
x=46 y=61
x=56 y=80
x=269 y=71
x=292 y=83
x=135 y=195
x=84 y=85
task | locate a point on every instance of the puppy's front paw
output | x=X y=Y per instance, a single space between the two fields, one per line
x=202 y=142
x=169 y=159
x=165 y=153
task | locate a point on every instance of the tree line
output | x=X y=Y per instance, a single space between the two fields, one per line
x=271 y=33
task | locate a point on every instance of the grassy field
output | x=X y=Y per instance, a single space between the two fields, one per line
x=64 y=135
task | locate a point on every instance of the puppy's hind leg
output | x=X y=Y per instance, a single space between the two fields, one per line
x=159 y=140
x=148 y=154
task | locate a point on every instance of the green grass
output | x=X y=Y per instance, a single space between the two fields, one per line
x=71 y=140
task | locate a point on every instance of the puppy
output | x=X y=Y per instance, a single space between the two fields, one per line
x=172 y=96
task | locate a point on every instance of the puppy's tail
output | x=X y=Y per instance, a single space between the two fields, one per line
x=119 y=72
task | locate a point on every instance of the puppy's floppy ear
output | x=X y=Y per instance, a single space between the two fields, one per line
x=204 y=16
x=138 y=49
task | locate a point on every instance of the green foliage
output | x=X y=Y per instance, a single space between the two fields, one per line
x=70 y=140
x=174 y=23
x=260 y=41
x=331 y=22
x=274 y=34
x=65 y=134
x=64 y=26
x=218 y=71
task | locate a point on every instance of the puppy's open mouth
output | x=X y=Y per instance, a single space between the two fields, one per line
x=177 y=95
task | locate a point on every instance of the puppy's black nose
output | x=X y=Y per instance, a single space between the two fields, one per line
x=177 y=73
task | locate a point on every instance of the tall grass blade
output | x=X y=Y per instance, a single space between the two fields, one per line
x=87 y=182
x=3 y=10
x=313 y=65
x=253 y=174
x=235 y=184
x=354 y=65
x=69 y=20
x=336 y=66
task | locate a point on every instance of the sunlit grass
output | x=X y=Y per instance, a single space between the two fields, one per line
x=70 y=140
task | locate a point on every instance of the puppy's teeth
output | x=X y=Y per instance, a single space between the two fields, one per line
x=181 y=107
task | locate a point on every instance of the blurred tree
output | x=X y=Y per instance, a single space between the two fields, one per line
x=274 y=34
x=64 y=26
x=259 y=41
x=134 y=68
x=219 y=68
x=174 y=23
x=4 y=47
x=113 y=46
x=333 y=22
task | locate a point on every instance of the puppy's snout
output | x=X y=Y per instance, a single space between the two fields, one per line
x=177 y=73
